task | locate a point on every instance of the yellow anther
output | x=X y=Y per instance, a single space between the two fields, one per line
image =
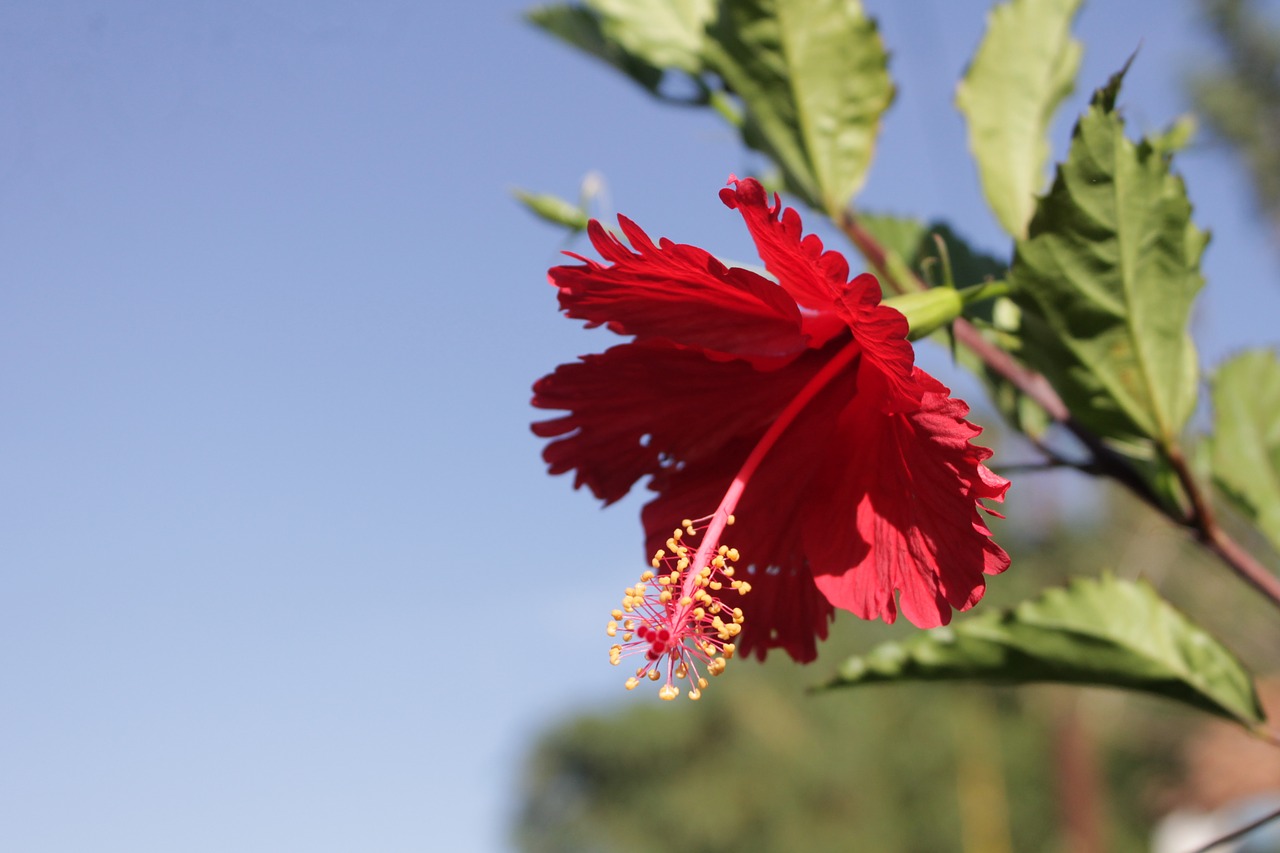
x=716 y=585
x=686 y=601
x=737 y=614
x=668 y=692
x=732 y=555
x=698 y=613
x=664 y=596
x=695 y=695
x=617 y=614
x=728 y=650
x=631 y=683
x=654 y=675
x=682 y=672
x=687 y=523
x=639 y=593
x=729 y=520
x=702 y=682
x=706 y=572
x=682 y=564
x=647 y=576
x=677 y=533
x=613 y=629
x=715 y=608
x=728 y=571
x=627 y=636
x=629 y=625
x=656 y=562
x=718 y=562
x=742 y=587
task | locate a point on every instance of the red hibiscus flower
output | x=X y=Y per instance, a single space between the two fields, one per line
x=793 y=406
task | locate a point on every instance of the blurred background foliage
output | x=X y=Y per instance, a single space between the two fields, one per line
x=1238 y=95
x=759 y=765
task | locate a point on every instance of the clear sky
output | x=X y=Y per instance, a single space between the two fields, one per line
x=280 y=568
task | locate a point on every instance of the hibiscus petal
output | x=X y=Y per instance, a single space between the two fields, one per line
x=784 y=609
x=682 y=294
x=645 y=407
x=882 y=332
x=813 y=277
x=897 y=510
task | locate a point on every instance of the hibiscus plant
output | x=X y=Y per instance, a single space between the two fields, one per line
x=800 y=462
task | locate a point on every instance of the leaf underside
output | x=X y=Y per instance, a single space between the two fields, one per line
x=1246 y=442
x=1104 y=632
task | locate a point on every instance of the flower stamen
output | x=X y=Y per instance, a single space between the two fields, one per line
x=681 y=634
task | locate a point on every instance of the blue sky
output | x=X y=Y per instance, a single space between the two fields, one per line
x=281 y=567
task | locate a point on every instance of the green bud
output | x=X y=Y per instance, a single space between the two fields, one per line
x=928 y=310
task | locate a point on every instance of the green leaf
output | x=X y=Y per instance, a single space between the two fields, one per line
x=554 y=209
x=1104 y=632
x=1176 y=136
x=1024 y=68
x=1246 y=442
x=969 y=265
x=1107 y=277
x=584 y=29
x=813 y=79
x=899 y=235
x=664 y=33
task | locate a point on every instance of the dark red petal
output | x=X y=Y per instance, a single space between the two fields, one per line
x=784 y=609
x=813 y=277
x=897 y=510
x=882 y=332
x=682 y=294
x=644 y=408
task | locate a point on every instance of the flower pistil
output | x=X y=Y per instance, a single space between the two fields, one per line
x=677 y=616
